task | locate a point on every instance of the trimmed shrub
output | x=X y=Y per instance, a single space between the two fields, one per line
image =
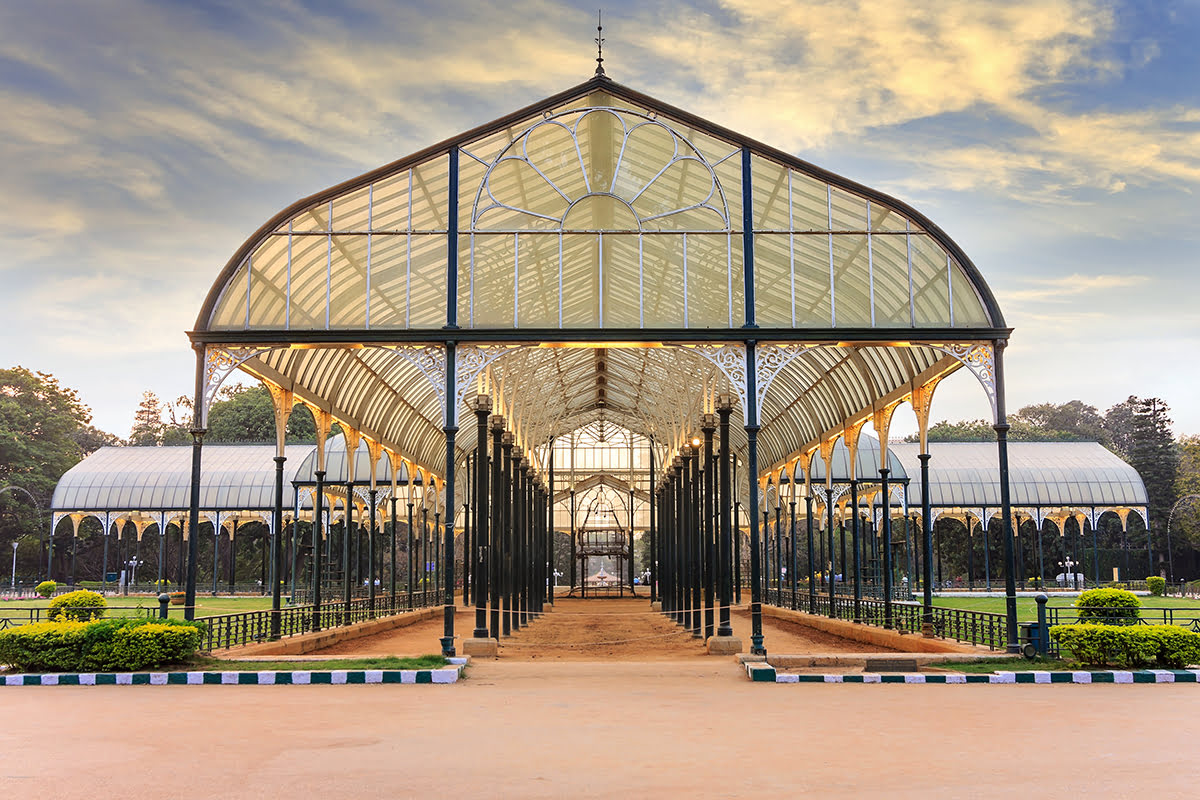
x=46 y=588
x=1108 y=606
x=80 y=606
x=116 y=644
x=1157 y=585
x=1107 y=645
x=1178 y=647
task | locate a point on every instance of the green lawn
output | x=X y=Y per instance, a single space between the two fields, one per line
x=1027 y=606
x=1008 y=665
x=206 y=605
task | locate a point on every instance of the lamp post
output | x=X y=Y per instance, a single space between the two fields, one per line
x=14 y=568
x=133 y=565
x=1068 y=570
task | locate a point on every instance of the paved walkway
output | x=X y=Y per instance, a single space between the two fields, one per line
x=598 y=730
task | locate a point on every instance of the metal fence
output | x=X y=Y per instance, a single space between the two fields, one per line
x=248 y=627
x=972 y=627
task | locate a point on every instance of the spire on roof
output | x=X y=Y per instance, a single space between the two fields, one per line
x=600 y=43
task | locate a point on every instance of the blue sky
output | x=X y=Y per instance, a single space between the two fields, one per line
x=1058 y=141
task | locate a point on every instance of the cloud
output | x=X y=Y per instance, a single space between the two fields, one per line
x=1068 y=288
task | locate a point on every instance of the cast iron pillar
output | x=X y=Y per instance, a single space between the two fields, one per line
x=708 y=426
x=812 y=574
x=854 y=543
x=318 y=536
x=927 y=548
x=495 y=533
x=724 y=408
x=887 y=548
x=483 y=407
x=347 y=532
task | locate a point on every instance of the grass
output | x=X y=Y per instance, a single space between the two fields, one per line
x=206 y=605
x=1027 y=606
x=1008 y=665
x=380 y=662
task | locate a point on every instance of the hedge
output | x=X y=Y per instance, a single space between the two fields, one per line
x=1167 y=646
x=103 y=645
x=80 y=606
x=1111 y=606
x=46 y=588
x=1157 y=585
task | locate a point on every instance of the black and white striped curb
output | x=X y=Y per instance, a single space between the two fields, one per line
x=764 y=673
x=333 y=677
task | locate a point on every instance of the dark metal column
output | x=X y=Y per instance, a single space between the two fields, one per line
x=652 y=567
x=276 y=550
x=856 y=545
x=373 y=494
x=792 y=542
x=812 y=573
x=1001 y=428
x=495 y=534
x=347 y=532
x=550 y=567
x=506 y=618
x=412 y=542
x=708 y=426
x=829 y=540
x=392 y=577
x=466 y=562
x=483 y=407
x=927 y=549
x=724 y=408
x=677 y=544
x=189 y=603
x=887 y=548
x=318 y=536
x=696 y=537
x=756 y=635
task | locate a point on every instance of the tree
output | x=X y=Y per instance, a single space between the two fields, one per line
x=1072 y=421
x=40 y=421
x=147 y=421
x=44 y=431
x=247 y=414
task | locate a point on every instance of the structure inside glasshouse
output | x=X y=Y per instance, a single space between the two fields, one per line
x=603 y=333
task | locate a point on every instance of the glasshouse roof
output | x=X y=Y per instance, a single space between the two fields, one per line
x=122 y=479
x=1047 y=475
x=590 y=256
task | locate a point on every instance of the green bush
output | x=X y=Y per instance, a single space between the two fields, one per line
x=1157 y=585
x=1168 y=646
x=116 y=644
x=1108 y=606
x=162 y=585
x=46 y=588
x=80 y=606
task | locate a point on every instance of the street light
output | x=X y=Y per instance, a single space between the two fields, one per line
x=133 y=565
x=1069 y=570
x=14 y=570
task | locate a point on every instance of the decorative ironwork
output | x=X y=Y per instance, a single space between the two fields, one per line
x=731 y=360
x=219 y=364
x=541 y=167
x=979 y=358
x=472 y=359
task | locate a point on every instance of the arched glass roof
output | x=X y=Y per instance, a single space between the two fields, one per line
x=599 y=208
x=234 y=477
x=1080 y=475
x=614 y=244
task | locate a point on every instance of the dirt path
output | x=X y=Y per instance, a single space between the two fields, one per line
x=606 y=629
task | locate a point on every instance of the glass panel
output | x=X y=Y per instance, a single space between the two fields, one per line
x=851 y=281
x=581 y=272
x=309 y=272
x=770 y=183
x=621 y=291
x=885 y=219
x=230 y=312
x=889 y=255
x=389 y=281
x=350 y=211
x=812 y=280
x=267 y=303
x=773 y=281
x=708 y=288
x=348 y=286
x=810 y=203
x=968 y=310
x=931 y=288
x=430 y=195
x=662 y=259
x=427 y=291
x=390 y=203
x=538 y=280
x=849 y=211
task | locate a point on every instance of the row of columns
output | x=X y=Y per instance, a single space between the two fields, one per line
x=510 y=547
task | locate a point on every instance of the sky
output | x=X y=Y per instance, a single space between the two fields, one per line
x=1057 y=141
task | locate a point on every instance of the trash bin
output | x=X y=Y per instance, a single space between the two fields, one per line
x=1033 y=638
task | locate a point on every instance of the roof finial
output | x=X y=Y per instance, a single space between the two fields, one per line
x=600 y=43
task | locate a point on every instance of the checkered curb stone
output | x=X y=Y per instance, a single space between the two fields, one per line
x=764 y=673
x=449 y=674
